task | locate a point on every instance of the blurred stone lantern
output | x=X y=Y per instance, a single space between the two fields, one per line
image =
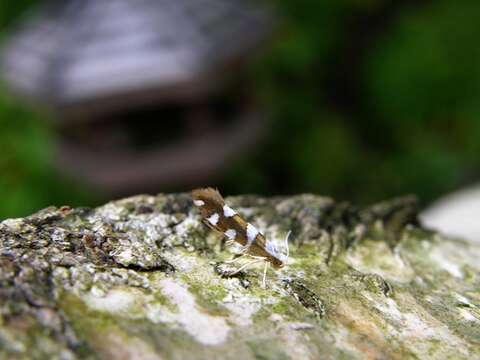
x=146 y=94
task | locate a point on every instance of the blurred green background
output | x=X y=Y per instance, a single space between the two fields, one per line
x=368 y=99
x=28 y=181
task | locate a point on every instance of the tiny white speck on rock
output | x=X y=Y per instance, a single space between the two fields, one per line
x=276 y=317
x=301 y=326
x=467 y=315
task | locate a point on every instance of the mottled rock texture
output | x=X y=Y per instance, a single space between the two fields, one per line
x=143 y=278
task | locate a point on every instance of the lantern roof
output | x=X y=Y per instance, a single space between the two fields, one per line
x=79 y=51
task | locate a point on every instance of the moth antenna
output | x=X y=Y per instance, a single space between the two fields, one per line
x=264 y=279
x=287 y=247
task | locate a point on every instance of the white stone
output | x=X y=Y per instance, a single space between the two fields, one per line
x=456 y=214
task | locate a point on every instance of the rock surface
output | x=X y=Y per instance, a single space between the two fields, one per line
x=143 y=278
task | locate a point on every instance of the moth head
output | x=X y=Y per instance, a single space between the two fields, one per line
x=278 y=259
x=276 y=263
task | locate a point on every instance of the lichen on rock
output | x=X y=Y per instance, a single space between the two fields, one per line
x=143 y=278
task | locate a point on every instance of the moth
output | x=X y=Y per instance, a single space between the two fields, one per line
x=222 y=218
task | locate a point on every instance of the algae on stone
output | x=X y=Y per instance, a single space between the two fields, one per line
x=142 y=278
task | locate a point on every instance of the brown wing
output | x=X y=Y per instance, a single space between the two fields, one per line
x=208 y=194
x=212 y=201
x=212 y=208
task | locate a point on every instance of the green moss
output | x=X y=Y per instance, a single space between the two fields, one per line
x=470 y=274
x=208 y=296
x=376 y=284
x=265 y=349
x=164 y=302
x=160 y=299
x=289 y=308
x=88 y=323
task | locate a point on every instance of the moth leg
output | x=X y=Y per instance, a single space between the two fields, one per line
x=211 y=227
x=264 y=279
x=229 y=242
x=235 y=258
x=207 y=224
x=245 y=249
x=245 y=265
x=257 y=257
x=223 y=243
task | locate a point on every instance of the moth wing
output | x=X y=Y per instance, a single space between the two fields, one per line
x=260 y=240
x=209 y=194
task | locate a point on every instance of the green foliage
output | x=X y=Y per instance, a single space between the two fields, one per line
x=10 y=10
x=28 y=181
x=371 y=99
x=422 y=83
